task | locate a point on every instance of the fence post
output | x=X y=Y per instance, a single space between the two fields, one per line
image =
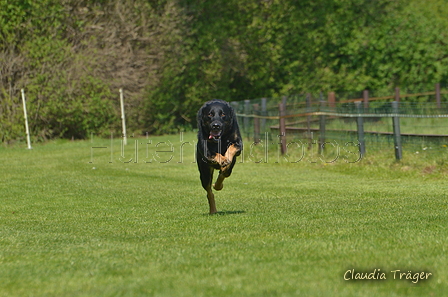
x=397 y=96
x=235 y=105
x=438 y=95
x=331 y=100
x=263 y=113
x=321 y=128
x=246 y=118
x=123 y=119
x=25 y=114
x=308 y=118
x=256 y=123
x=284 y=100
x=397 y=134
x=360 y=128
x=282 y=127
x=365 y=95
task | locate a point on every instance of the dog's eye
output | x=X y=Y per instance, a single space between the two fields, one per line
x=210 y=115
x=223 y=115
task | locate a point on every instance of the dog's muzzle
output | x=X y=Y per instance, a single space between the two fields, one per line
x=215 y=132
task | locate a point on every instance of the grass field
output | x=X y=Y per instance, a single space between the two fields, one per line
x=74 y=224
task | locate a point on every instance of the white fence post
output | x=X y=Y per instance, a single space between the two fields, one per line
x=123 y=120
x=27 y=129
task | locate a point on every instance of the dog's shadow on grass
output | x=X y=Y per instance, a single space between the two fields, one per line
x=226 y=212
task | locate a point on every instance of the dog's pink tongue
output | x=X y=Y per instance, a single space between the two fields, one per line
x=214 y=134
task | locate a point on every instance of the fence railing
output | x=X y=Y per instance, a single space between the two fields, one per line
x=300 y=115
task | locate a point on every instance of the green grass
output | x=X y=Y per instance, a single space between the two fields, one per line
x=73 y=228
x=407 y=125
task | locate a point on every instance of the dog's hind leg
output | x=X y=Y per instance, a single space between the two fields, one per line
x=206 y=179
x=211 y=201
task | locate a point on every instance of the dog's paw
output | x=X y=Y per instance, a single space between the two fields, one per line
x=218 y=187
x=226 y=167
x=221 y=160
x=225 y=162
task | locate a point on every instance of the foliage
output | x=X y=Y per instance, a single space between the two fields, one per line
x=169 y=56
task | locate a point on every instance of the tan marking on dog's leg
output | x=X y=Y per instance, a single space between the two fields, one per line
x=231 y=151
x=211 y=201
x=230 y=154
x=219 y=182
x=221 y=160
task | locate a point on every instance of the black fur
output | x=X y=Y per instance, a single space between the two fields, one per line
x=218 y=131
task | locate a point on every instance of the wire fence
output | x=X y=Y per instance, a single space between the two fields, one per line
x=414 y=122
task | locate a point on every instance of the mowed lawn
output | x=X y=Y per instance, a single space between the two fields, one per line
x=74 y=224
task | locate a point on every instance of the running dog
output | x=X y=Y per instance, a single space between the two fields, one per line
x=219 y=143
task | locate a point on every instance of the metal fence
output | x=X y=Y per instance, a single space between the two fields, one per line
x=417 y=121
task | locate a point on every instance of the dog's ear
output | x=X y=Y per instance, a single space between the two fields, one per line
x=200 y=117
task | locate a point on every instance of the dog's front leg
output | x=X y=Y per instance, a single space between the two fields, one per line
x=223 y=161
x=219 y=182
x=229 y=155
x=232 y=150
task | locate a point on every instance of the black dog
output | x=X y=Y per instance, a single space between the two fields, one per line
x=219 y=143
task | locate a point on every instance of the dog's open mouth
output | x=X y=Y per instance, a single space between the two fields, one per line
x=215 y=135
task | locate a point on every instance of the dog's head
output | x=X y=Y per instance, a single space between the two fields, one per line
x=216 y=118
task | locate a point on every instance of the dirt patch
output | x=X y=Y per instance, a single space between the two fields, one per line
x=429 y=169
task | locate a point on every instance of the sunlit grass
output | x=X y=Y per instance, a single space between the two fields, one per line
x=80 y=221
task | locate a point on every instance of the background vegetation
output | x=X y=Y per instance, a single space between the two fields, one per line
x=72 y=56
